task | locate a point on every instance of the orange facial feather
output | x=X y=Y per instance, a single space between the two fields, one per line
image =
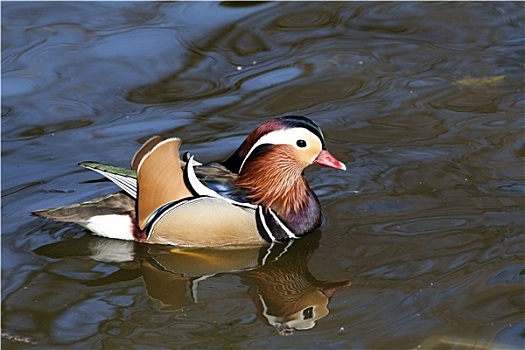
x=274 y=179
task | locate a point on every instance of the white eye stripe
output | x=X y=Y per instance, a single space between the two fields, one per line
x=281 y=137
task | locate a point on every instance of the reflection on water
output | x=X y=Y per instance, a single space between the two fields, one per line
x=287 y=296
x=423 y=101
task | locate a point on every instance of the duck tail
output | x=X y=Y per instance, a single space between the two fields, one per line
x=112 y=216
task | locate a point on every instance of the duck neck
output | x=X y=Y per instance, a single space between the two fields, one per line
x=276 y=182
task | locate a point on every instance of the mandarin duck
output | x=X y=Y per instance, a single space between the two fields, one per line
x=259 y=194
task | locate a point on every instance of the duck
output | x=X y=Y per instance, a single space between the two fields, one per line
x=258 y=195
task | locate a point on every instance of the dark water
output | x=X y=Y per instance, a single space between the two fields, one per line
x=423 y=242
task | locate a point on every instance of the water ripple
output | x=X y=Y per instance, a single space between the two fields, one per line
x=422 y=101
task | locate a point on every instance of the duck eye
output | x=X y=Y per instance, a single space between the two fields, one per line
x=301 y=143
x=308 y=313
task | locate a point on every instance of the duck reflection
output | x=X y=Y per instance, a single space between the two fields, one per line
x=286 y=295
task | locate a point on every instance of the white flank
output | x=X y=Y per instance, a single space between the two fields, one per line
x=111 y=226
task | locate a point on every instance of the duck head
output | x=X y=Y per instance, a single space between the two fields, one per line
x=270 y=165
x=292 y=140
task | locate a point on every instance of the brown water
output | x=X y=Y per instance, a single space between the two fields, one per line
x=423 y=241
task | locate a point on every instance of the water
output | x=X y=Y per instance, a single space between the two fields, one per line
x=423 y=240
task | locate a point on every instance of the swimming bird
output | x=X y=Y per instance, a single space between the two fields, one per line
x=259 y=194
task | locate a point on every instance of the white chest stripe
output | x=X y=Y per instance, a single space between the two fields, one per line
x=289 y=233
x=263 y=222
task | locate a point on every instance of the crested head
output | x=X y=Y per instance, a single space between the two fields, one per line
x=296 y=131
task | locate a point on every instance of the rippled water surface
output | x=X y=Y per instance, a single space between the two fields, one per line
x=423 y=240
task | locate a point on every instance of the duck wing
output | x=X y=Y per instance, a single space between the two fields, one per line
x=216 y=177
x=124 y=178
x=213 y=179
